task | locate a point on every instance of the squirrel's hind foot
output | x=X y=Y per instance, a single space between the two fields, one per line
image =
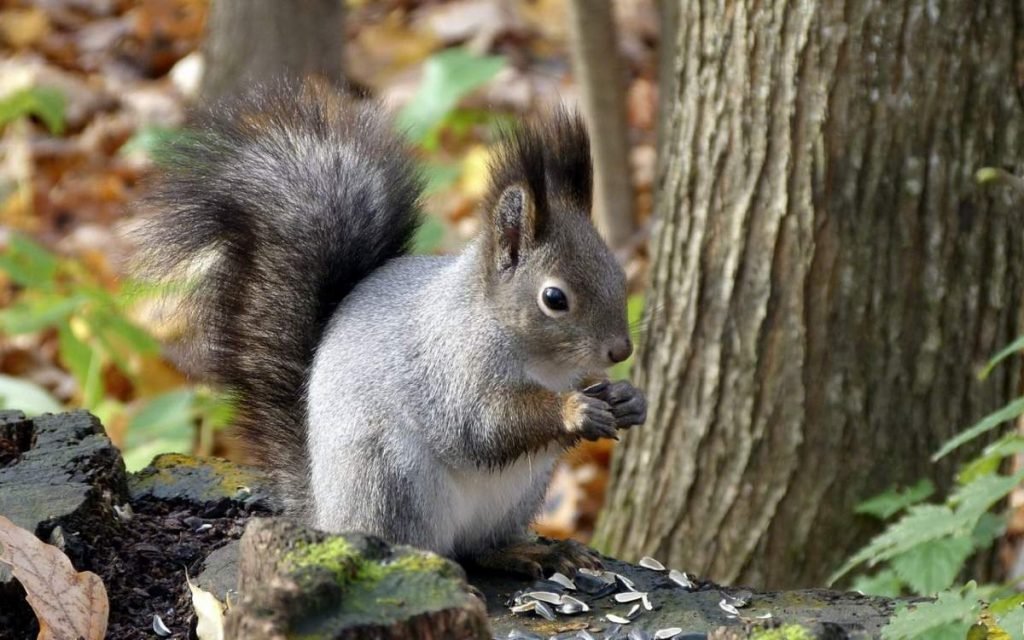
x=539 y=558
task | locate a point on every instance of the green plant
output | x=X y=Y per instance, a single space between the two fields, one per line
x=42 y=102
x=925 y=549
x=448 y=76
x=95 y=338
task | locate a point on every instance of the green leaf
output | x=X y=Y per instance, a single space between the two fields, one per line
x=75 y=354
x=921 y=523
x=972 y=500
x=1007 y=605
x=139 y=456
x=166 y=414
x=439 y=176
x=26 y=396
x=92 y=387
x=1009 y=613
x=428 y=237
x=991 y=458
x=990 y=526
x=883 y=583
x=45 y=103
x=932 y=566
x=216 y=409
x=1014 y=347
x=448 y=76
x=893 y=501
x=635 y=309
x=34 y=254
x=986 y=424
x=949 y=616
x=151 y=140
x=28 y=263
x=164 y=424
x=1012 y=622
x=29 y=317
x=137 y=338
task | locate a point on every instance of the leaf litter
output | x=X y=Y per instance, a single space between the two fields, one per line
x=67 y=603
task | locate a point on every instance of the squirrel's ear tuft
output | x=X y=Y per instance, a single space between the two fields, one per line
x=568 y=166
x=516 y=208
x=514 y=218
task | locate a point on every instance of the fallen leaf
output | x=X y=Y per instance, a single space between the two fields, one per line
x=68 y=604
x=209 y=613
x=20 y=28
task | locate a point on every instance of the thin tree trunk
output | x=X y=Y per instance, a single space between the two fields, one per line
x=254 y=41
x=826 y=274
x=601 y=78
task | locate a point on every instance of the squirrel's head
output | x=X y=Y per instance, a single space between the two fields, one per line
x=550 y=278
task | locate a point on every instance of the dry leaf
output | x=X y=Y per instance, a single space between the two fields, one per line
x=68 y=604
x=209 y=613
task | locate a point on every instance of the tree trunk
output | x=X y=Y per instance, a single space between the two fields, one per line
x=601 y=78
x=826 y=274
x=252 y=41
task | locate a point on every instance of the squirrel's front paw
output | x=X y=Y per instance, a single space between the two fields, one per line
x=588 y=417
x=627 y=403
x=538 y=558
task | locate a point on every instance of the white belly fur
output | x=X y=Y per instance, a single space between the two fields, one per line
x=482 y=499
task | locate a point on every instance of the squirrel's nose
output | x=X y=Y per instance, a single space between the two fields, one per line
x=620 y=349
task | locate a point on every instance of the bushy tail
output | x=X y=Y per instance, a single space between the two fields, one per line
x=281 y=201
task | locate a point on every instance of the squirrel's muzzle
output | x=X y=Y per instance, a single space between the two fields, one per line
x=619 y=349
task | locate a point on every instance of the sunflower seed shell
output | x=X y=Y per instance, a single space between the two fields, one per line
x=564 y=580
x=544 y=596
x=647 y=562
x=681 y=579
x=159 y=628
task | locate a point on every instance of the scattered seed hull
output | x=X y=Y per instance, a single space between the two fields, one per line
x=648 y=562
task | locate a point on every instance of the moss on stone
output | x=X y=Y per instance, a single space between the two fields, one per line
x=787 y=632
x=176 y=475
x=335 y=554
x=378 y=590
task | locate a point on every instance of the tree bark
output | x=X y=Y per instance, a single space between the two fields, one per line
x=601 y=78
x=255 y=41
x=826 y=274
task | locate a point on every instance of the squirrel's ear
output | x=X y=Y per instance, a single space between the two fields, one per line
x=515 y=225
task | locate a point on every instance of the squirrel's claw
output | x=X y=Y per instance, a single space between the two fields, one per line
x=540 y=558
x=628 y=404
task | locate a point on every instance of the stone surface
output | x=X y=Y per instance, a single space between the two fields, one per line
x=60 y=471
x=61 y=478
x=188 y=514
x=208 y=482
x=825 y=614
x=295 y=581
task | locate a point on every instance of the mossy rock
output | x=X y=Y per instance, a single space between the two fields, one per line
x=297 y=582
x=202 y=481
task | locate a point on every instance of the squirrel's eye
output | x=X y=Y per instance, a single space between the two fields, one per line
x=555 y=299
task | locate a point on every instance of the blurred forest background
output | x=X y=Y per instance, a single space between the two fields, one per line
x=817 y=205
x=89 y=89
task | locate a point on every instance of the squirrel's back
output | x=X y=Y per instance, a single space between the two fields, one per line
x=284 y=200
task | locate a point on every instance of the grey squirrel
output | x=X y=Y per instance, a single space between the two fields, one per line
x=421 y=399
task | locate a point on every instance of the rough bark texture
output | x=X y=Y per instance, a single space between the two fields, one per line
x=250 y=41
x=601 y=77
x=826 y=275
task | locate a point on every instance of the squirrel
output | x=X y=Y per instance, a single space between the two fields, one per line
x=421 y=399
